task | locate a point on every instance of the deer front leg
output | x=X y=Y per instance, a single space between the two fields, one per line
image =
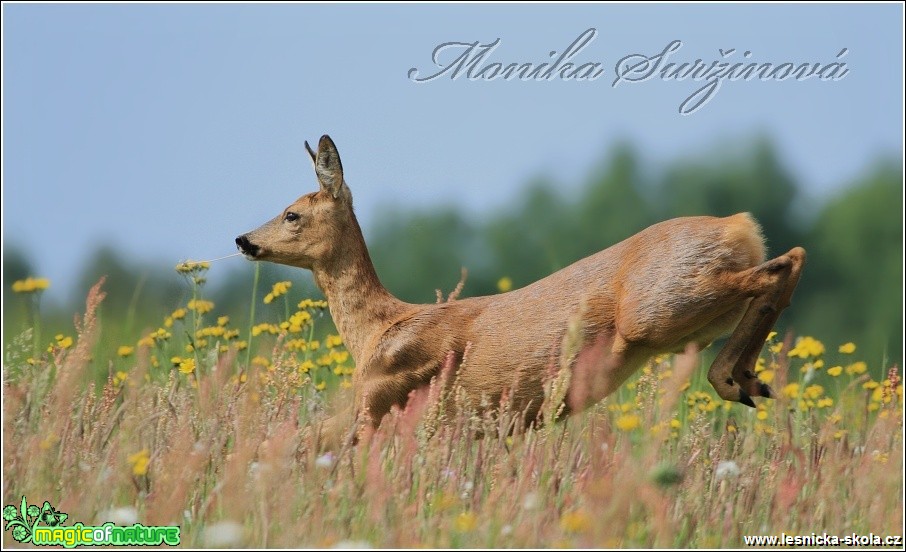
x=772 y=283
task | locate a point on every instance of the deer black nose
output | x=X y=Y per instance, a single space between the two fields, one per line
x=246 y=247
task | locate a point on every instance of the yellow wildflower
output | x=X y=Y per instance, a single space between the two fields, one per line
x=835 y=371
x=31 y=285
x=311 y=304
x=63 y=342
x=321 y=386
x=297 y=321
x=200 y=306
x=339 y=357
x=763 y=428
x=187 y=366
x=791 y=390
x=807 y=347
x=759 y=365
x=210 y=331
x=188 y=267
x=466 y=521
x=160 y=334
x=575 y=522
x=766 y=376
x=265 y=327
x=179 y=314
x=880 y=457
x=305 y=366
x=848 y=348
x=139 y=462
x=333 y=341
x=877 y=394
x=125 y=350
x=771 y=336
x=856 y=368
x=702 y=402
x=297 y=344
x=628 y=422
x=505 y=284
x=223 y=320
x=279 y=288
x=813 y=392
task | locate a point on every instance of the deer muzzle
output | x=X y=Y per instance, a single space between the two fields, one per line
x=246 y=247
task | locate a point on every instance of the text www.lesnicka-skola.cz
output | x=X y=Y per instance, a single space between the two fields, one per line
x=823 y=539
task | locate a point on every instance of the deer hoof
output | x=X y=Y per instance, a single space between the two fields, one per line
x=745 y=399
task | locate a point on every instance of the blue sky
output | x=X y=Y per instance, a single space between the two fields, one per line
x=167 y=130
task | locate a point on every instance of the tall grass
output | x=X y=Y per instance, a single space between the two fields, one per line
x=222 y=451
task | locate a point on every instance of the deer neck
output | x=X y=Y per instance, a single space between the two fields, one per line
x=360 y=305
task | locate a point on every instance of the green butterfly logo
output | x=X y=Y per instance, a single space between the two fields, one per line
x=25 y=519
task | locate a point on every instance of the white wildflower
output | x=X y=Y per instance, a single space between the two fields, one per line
x=725 y=469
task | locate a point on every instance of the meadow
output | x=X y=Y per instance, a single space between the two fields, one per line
x=205 y=425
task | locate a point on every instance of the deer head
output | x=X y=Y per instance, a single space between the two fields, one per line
x=315 y=229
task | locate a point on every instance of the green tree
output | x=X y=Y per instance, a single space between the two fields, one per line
x=750 y=180
x=533 y=239
x=852 y=286
x=416 y=254
x=16 y=266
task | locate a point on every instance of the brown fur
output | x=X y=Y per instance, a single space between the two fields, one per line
x=683 y=280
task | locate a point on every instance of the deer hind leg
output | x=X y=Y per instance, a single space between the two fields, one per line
x=771 y=284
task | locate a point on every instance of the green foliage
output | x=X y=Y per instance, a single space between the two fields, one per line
x=16 y=265
x=420 y=253
x=752 y=181
x=855 y=273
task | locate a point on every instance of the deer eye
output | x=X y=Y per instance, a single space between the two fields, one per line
x=291 y=217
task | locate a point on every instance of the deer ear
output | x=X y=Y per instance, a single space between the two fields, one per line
x=312 y=154
x=328 y=167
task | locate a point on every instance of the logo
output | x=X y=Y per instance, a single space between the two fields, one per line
x=43 y=526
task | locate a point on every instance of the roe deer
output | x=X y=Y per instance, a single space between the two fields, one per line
x=685 y=280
